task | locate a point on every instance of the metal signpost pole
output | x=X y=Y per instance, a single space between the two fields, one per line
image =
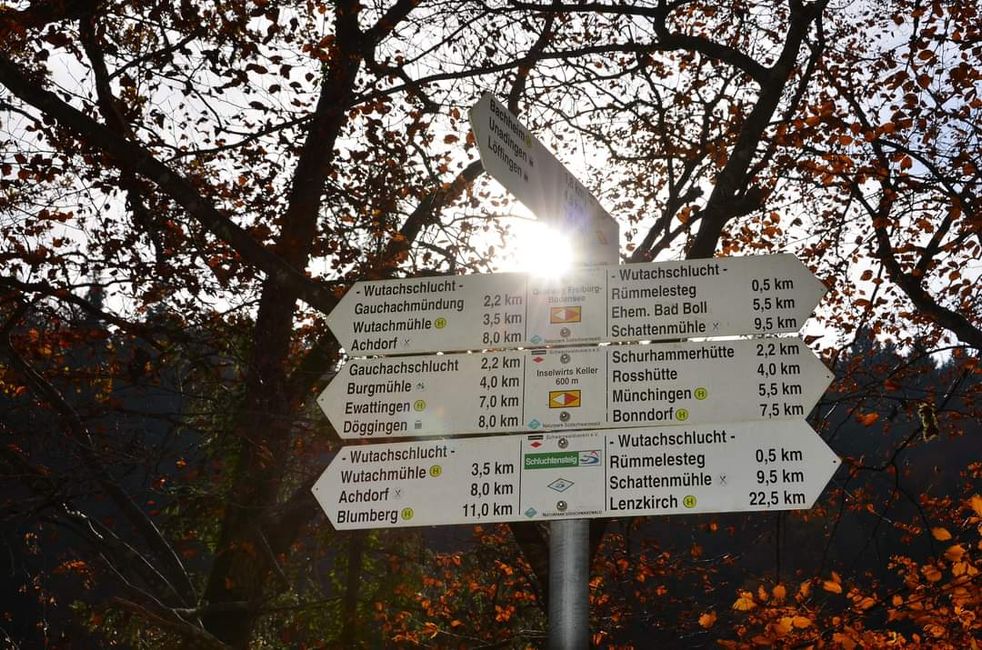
x=569 y=577
x=569 y=541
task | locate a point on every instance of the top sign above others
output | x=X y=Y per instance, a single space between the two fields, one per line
x=657 y=301
x=517 y=160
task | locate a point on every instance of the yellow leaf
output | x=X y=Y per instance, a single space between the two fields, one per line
x=941 y=534
x=707 y=620
x=832 y=586
x=779 y=592
x=745 y=602
x=801 y=622
x=955 y=553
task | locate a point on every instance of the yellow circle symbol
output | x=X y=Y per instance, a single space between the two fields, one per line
x=689 y=501
x=407 y=514
x=419 y=405
x=701 y=393
x=440 y=323
x=435 y=471
x=682 y=415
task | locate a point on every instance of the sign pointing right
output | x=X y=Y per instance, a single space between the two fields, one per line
x=744 y=466
x=655 y=301
x=516 y=159
x=575 y=388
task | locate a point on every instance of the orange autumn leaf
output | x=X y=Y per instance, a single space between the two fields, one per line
x=931 y=573
x=866 y=603
x=783 y=625
x=762 y=594
x=976 y=504
x=745 y=602
x=955 y=553
x=832 y=586
x=707 y=620
x=430 y=628
x=940 y=534
x=804 y=589
x=779 y=592
x=843 y=641
x=801 y=622
x=867 y=419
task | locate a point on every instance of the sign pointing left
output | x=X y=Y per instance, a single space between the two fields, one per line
x=766 y=294
x=575 y=388
x=584 y=474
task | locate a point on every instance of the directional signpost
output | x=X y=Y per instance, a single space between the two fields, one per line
x=737 y=467
x=516 y=159
x=575 y=388
x=714 y=425
x=653 y=302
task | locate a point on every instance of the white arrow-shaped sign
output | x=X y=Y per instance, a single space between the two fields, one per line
x=657 y=301
x=575 y=388
x=516 y=159
x=779 y=465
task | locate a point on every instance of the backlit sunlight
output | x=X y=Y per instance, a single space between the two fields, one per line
x=541 y=251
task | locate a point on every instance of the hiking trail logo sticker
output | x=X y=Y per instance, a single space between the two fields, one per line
x=564 y=399
x=559 y=315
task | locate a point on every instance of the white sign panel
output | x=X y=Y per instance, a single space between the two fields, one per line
x=517 y=160
x=575 y=388
x=779 y=465
x=656 y=301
